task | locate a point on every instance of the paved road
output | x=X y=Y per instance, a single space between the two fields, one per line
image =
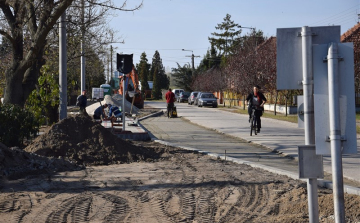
x=280 y=136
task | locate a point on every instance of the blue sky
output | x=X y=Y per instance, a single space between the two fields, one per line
x=171 y=25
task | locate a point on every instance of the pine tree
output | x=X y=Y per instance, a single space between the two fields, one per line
x=143 y=68
x=157 y=72
x=156 y=91
x=210 y=60
x=183 y=76
x=228 y=38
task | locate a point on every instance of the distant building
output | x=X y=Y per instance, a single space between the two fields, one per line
x=353 y=35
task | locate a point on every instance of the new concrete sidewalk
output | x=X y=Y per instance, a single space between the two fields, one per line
x=281 y=136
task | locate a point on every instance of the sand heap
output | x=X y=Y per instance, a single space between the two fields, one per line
x=83 y=141
x=16 y=163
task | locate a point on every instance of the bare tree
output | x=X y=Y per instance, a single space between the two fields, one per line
x=28 y=23
x=37 y=18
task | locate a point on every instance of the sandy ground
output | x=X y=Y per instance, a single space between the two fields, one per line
x=181 y=186
x=173 y=185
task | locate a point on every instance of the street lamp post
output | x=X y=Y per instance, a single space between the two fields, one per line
x=247 y=28
x=253 y=29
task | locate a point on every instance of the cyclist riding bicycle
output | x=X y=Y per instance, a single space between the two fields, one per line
x=257 y=100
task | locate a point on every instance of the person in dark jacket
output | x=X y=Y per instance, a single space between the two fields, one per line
x=81 y=101
x=170 y=99
x=99 y=113
x=256 y=99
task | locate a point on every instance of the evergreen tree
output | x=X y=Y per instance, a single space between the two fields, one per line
x=183 y=76
x=210 y=60
x=156 y=91
x=228 y=38
x=143 y=68
x=157 y=72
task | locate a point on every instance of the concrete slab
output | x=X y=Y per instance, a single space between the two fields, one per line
x=132 y=130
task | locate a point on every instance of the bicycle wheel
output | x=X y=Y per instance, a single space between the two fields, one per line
x=253 y=124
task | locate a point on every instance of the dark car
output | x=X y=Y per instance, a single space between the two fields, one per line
x=192 y=97
x=207 y=99
x=183 y=96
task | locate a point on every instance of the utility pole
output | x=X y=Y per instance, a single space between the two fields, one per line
x=62 y=68
x=111 y=60
x=192 y=58
x=82 y=59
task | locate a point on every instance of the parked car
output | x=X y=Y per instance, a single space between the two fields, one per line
x=207 y=99
x=192 y=97
x=183 y=96
x=197 y=98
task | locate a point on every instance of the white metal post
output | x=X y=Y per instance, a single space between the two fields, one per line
x=308 y=88
x=123 y=103
x=82 y=57
x=335 y=132
x=62 y=68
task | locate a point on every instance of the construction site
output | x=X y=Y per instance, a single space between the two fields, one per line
x=79 y=170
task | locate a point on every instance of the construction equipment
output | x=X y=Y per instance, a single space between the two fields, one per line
x=132 y=92
x=173 y=112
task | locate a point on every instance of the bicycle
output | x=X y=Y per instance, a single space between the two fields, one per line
x=253 y=123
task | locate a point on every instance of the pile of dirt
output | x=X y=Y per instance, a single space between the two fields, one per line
x=16 y=163
x=84 y=141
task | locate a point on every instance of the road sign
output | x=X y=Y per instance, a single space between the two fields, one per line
x=347 y=99
x=289 y=53
x=310 y=164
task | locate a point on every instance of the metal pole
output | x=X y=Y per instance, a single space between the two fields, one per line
x=192 y=60
x=111 y=67
x=123 y=104
x=62 y=68
x=82 y=47
x=335 y=132
x=309 y=126
x=108 y=69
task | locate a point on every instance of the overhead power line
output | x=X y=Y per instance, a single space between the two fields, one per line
x=352 y=11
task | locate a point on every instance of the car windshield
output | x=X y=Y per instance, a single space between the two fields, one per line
x=207 y=96
x=185 y=93
x=195 y=94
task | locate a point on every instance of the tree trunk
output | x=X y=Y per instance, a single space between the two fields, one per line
x=244 y=102
x=14 y=90
x=32 y=74
x=20 y=82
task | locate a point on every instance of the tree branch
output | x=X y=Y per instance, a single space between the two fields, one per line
x=121 y=8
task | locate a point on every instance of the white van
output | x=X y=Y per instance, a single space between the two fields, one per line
x=177 y=92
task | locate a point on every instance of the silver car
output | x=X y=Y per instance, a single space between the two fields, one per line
x=196 y=99
x=207 y=99
x=192 y=97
